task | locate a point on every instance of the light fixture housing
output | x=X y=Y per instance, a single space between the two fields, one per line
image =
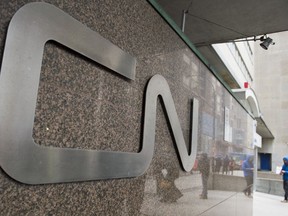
x=266 y=43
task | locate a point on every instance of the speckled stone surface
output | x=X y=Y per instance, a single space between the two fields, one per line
x=81 y=104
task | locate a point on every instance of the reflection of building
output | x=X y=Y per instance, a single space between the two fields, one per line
x=256 y=76
x=234 y=62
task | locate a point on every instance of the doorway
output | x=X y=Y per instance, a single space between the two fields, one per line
x=265 y=161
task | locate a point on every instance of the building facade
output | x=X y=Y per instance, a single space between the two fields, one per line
x=271 y=86
x=82 y=146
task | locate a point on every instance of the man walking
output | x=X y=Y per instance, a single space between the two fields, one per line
x=248 y=168
x=284 y=173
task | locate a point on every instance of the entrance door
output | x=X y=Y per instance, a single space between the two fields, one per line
x=265 y=161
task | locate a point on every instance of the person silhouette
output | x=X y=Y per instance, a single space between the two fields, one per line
x=248 y=167
x=284 y=173
x=204 y=168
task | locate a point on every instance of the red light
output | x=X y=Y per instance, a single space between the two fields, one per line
x=246 y=84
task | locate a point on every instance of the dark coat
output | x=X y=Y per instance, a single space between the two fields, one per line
x=204 y=165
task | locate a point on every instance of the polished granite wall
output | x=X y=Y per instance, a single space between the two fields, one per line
x=82 y=104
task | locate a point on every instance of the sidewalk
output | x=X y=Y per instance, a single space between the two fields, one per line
x=219 y=203
x=267 y=205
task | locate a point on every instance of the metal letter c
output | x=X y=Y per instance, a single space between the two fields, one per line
x=24 y=160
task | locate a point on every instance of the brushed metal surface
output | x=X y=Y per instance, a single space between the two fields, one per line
x=24 y=160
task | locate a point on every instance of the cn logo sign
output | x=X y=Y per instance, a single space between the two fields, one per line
x=26 y=161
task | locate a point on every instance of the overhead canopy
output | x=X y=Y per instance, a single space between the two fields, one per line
x=249 y=100
x=209 y=22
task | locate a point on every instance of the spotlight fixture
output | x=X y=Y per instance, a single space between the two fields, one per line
x=266 y=41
